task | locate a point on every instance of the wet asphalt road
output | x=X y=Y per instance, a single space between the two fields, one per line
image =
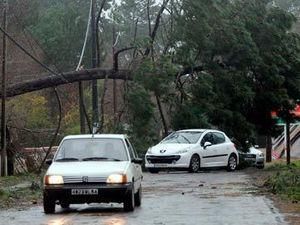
x=206 y=198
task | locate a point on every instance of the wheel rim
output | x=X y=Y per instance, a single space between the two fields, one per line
x=195 y=164
x=232 y=163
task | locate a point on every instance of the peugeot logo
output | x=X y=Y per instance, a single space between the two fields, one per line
x=85 y=179
x=162 y=151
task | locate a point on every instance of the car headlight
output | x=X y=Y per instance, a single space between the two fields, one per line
x=182 y=151
x=261 y=154
x=149 y=151
x=53 y=179
x=117 y=179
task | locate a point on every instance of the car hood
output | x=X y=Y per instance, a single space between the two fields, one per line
x=167 y=149
x=90 y=168
x=255 y=151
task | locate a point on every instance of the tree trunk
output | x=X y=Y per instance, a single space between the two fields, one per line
x=162 y=115
x=268 y=148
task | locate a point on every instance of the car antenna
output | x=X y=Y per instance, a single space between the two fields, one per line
x=95 y=129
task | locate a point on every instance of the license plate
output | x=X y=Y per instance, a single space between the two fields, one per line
x=250 y=159
x=160 y=165
x=84 y=192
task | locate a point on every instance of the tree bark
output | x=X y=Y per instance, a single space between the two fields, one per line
x=69 y=77
x=162 y=115
x=268 y=148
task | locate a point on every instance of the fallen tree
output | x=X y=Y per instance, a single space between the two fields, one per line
x=65 y=78
x=75 y=76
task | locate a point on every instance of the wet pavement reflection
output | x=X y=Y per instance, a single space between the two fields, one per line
x=210 y=197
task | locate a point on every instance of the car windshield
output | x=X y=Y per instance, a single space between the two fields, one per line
x=183 y=137
x=96 y=149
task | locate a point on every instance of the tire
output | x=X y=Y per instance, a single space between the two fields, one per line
x=64 y=205
x=232 y=163
x=138 y=197
x=129 y=201
x=194 y=164
x=260 y=166
x=49 y=204
x=151 y=170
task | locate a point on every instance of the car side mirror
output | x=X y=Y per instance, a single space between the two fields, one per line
x=49 y=161
x=207 y=144
x=256 y=146
x=137 y=160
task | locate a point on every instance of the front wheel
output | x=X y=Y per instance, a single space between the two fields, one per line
x=232 y=163
x=49 y=204
x=138 y=197
x=194 y=164
x=129 y=201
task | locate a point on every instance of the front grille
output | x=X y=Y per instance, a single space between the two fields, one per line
x=163 y=159
x=81 y=179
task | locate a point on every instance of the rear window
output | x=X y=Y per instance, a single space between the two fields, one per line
x=96 y=148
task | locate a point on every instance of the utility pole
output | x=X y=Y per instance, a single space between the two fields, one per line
x=94 y=65
x=3 y=102
x=114 y=80
x=288 y=141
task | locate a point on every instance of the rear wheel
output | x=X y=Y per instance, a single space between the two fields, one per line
x=151 y=170
x=49 y=204
x=232 y=163
x=129 y=201
x=138 y=197
x=194 y=164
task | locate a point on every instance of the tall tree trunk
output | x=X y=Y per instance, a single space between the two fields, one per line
x=268 y=148
x=162 y=115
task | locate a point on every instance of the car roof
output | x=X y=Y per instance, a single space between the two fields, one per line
x=89 y=136
x=199 y=130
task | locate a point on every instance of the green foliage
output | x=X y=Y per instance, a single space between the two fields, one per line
x=156 y=76
x=141 y=111
x=31 y=111
x=60 y=29
x=286 y=181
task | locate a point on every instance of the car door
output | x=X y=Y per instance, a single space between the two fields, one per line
x=221 y=149
x=136 y=168
x=209 y=152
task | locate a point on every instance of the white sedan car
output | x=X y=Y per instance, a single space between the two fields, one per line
x=92 y=169
x=192 y=149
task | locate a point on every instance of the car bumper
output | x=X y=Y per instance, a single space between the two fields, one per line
x=260 y=161
x=106 y=193
x=165 y=162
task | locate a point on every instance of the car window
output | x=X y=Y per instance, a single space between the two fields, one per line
x=101 y=148
x=183 y=137
x=207 y=138
x=219 y=138
x=131 y=150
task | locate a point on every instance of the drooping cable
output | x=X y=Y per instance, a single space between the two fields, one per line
x=86 y=38
x=31 y=56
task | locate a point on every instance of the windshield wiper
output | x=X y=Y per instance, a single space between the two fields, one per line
x=99 y=158
x=66 y=159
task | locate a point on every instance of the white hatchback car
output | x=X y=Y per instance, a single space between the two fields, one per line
x=93 y=168
x=192 y=149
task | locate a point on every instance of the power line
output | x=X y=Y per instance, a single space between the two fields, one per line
x=31 y=56
x=86 y=37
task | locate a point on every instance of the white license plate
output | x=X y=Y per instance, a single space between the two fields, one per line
x=84 y=192
x=160 y=165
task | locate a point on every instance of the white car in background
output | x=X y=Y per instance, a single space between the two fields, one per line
x=192 y=149
x=93 y=169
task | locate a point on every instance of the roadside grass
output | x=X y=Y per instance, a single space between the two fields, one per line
x=284 y=179
x=20 y=190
